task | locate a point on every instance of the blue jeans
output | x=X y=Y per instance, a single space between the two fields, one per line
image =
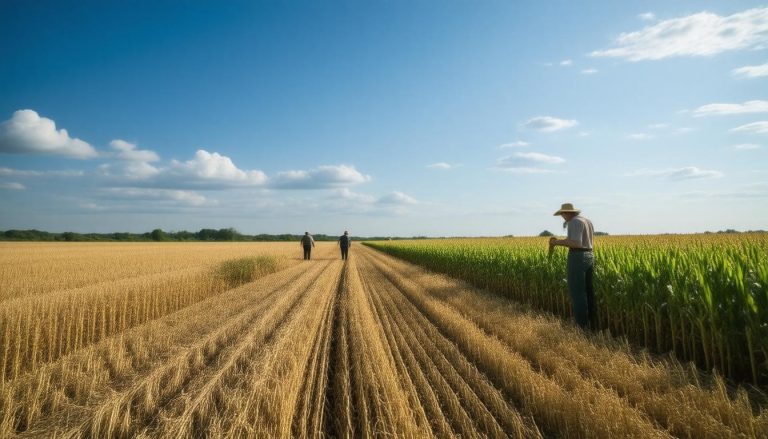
x=580 y=270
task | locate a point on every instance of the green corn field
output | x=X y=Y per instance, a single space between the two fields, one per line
x=703 y=297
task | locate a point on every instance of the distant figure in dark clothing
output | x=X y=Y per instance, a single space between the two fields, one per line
x=307 y=241
x=344 y=243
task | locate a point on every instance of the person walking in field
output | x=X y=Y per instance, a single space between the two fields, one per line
x=580 y=266
x=345 y=242
x=307 y=241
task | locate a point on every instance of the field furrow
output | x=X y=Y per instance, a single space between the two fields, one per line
x=203 y=400
x=193 y=338
x=485 y=404
x=368 y=347
x=659 y=389
x=583 y=408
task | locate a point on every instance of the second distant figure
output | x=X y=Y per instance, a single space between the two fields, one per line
x=344 y=243
x=307 y=241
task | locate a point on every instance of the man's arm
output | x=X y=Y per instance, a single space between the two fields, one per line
x=564 y=242
x=573 y=240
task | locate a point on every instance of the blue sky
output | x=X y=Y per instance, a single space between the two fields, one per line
x=383 y=117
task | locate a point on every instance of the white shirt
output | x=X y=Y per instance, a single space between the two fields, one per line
x=580 y=230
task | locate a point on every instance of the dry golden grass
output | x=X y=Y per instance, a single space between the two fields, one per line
x=40 y=323
x=367 y=347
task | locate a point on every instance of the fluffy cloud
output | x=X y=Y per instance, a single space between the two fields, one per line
x=548 y=124
x=685 y=173
x=589 y=71
x=527 y=163
x=8 y=172
x=525 y=170
x=347 y=194
x=755 y=190
x=397 y=198
x=441 y=165
x=215 y=168
x=566 y=62
x=760 y=127
x=647 y=16
x=751 y=71
x=725 y=109
x=28 y=133
x=745 y=146
x=701 y=34
x=12 y=186
x=127 y=151
x=322 y=177
x=187 y=198
x=535 y=157
x=515 y=144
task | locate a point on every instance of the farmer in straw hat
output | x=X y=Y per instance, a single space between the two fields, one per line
x=581 y=263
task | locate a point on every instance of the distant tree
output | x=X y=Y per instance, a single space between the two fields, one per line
x=601 y=233
x=158 y=235
x=229 y=234
x=69 y=236
x=206 y=234
x=546 y=233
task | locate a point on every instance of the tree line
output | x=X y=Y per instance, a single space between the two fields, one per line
x=159 y=235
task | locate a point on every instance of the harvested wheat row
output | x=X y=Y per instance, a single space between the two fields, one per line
x=564 y=405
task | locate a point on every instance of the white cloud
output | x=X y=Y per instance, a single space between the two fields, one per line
x=745 y=146
x=535 y=157
x=347 y=194
x=526 y=170
x=647 y=16
x=515 y=144
x=130 y=170
x=751 y=71
x=589 y=71
x=527 y=163
x=208 y=167
x=683 y=130
x=658 y=126
x=685 y=173
x=584 y=133
x=322 y=177
x=188 y=198
x=8 y=172
x=700 y=34
x=548 y=123
x=127 y=151
x=760 y=127
x=397 y=198
x=12 y=186
x=28 y=133
x=566 y=62
x=755 y=190
x=441 y=165
x=747 y=107
x=640 y=136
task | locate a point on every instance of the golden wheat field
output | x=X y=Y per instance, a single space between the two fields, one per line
x=248 y=340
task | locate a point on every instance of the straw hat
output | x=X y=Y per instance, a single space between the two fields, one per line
x=566 y=208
